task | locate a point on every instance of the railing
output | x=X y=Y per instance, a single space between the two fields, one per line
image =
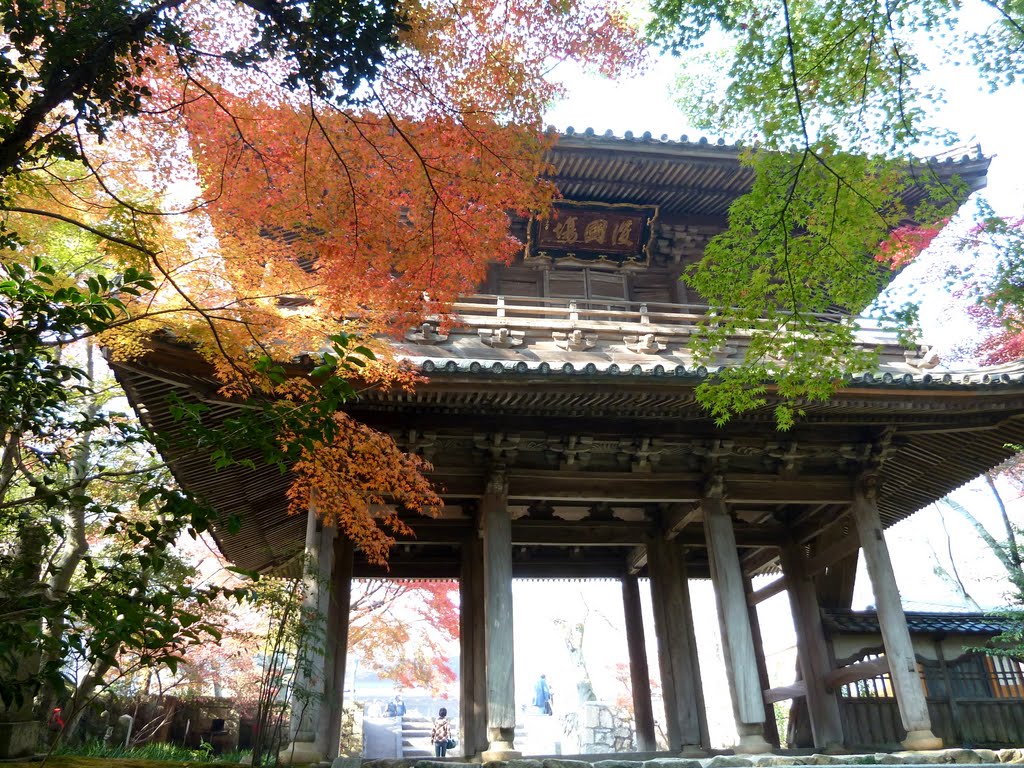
x=669 y=325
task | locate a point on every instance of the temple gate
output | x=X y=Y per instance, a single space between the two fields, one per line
x=560 y=417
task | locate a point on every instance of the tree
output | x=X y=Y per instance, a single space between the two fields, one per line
x=403 y=630
x=89 y=584
x=390 y=141
x=1008 y=548
x=831 y=102
x=386 y=143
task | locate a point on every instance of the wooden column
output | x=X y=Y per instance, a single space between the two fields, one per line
x=771 y=727
x=496 y=525
x=336 y=646
x=473 y=654
x=311 y=675
x=812 y=651
x=639 y=674
x=899 y=649
x=737 y=641
x=685 y=719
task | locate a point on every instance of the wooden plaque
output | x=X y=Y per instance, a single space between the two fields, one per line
x=593 y=232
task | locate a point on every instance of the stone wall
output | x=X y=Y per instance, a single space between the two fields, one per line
x=605 y=729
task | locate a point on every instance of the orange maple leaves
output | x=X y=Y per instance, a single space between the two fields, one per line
x=358 y=482
x=365 y=214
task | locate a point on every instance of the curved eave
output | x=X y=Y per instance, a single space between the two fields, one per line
x=699 y=178
x=939 y=435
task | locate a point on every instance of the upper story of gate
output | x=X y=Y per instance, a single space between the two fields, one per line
x=599 y=283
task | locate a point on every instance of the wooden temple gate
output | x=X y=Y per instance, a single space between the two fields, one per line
x=560 y=417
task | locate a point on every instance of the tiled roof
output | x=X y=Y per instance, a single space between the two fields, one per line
x=701 y=177
x=973 y=380
x=866 y=622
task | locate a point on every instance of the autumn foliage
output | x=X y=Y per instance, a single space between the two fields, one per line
x=906 y=242
x=274 y=212
x=405 y=630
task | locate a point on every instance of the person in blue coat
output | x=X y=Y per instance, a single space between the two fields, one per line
x=542 y=695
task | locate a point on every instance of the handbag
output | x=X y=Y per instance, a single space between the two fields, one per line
x=450 y=744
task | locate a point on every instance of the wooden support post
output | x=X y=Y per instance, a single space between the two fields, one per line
x=472 y=676
x=639 y=674
x=892 y=621
x=337 y=645
x=812 y=651
x=954 y=707
x=307 y=744
x=771 y=727
x=498 y=628
x=685 y=718
x=737 y=640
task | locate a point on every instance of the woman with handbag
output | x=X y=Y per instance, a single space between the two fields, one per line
x=441 y=733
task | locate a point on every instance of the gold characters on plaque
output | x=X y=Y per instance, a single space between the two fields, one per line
x=623 y=233
x=592 y=232
x=565 y=231
x=596 y=231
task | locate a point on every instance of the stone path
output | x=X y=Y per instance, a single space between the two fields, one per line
x=976 y=757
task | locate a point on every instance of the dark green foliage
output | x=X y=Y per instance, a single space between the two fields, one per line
x=73 y=467
x=93 y=57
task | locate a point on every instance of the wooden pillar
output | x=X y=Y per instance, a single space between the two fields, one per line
x=812 y=651
x=496 y=527
x=737 y=641
x=639 y=674
x=899 y=649
x=954 y=707
x=307 y=695
x=473 y=653
x=685 y=719
x=771 y=727
x=336 y=655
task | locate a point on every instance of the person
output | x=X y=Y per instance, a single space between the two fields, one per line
x=542 y=695
x=396 y=708
x=441 y=733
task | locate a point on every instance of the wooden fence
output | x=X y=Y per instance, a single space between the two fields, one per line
x=974 y=701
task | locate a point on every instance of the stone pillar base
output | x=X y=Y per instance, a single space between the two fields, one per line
x=20 y=739
x=922 y=740
x=693 y=752
x=300 y=753
x=752 y=744
x=500 y=750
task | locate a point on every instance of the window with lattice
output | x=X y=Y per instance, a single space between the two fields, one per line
x=1007 y=677
x=877 y=687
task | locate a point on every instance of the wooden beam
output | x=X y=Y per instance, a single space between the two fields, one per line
x=640 y=488
x=427 y=530
x=770 y=489
x=582 y=533
x=784 y=692
x=832 y=554
x=639 y=675
x=636 y=560
x=678 y=516
x=860 y=670
x=768 y=590
x=812 y=651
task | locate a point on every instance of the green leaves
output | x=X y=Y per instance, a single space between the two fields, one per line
x=833 y=102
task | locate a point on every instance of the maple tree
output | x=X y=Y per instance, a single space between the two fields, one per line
x=831 y=102
x=364 y=173
x=403 y=630
x=264 y=182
